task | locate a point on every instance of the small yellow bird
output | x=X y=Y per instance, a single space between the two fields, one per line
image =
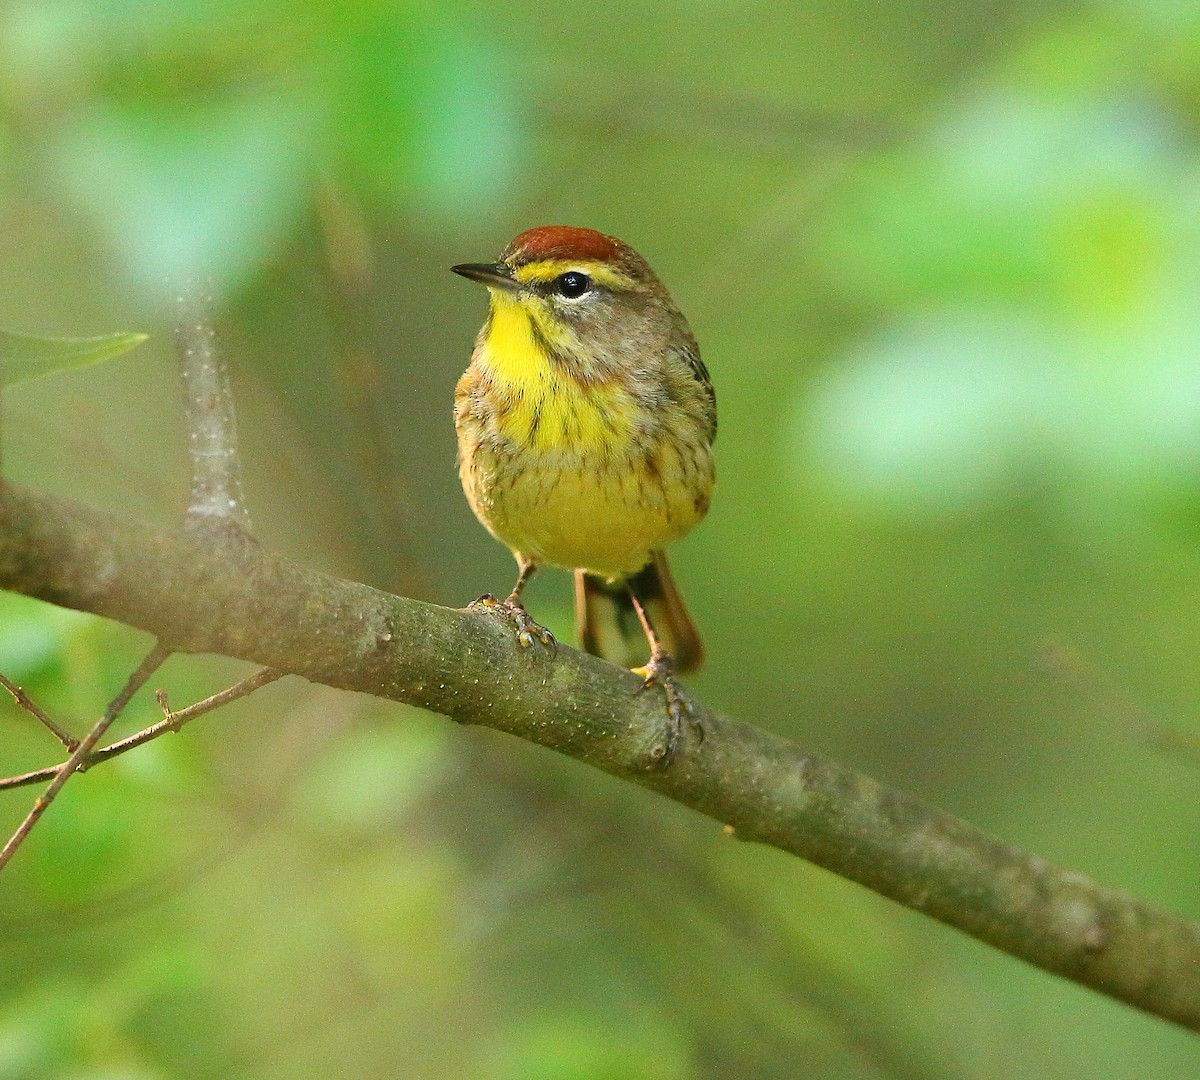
x=585 y=428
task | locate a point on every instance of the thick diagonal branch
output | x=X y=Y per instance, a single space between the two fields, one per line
x=235 y=599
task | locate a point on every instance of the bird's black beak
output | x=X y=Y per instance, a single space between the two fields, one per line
x=493 y=275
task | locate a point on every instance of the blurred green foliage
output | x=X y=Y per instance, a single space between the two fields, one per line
x=941 y=261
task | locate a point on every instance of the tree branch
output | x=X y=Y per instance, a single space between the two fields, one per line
x=171 y=721
x=234 y=598
x=211 y=419
x=133 y=684
x=30 y=706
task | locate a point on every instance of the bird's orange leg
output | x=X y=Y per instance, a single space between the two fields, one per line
x=660 y=670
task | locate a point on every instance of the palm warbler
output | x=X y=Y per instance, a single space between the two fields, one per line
x=585 y=428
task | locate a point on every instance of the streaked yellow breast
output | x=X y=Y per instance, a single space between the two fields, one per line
x=570 y=469
x=540 y=404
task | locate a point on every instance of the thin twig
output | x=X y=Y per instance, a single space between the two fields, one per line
x=136 y=681
x=211 y=419
x=35 y=776
x=30 y=706
x=172 y=721
x=384 y=508
x=1113 y=701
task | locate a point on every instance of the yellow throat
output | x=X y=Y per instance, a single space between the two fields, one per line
x=545 y=405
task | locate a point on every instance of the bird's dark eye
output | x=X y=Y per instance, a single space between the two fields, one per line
x=572 y=284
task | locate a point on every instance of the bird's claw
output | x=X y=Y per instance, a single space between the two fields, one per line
x=680 y=710
x=514 y=612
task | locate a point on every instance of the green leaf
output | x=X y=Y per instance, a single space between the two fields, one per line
x=24 y=356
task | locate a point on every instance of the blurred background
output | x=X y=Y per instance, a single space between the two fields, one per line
x=941 y=258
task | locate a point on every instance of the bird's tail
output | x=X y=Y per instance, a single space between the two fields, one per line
x=609 y=627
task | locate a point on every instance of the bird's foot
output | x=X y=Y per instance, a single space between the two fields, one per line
x=513 y=611
x=660 y=671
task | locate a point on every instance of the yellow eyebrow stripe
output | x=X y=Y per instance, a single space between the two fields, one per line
x=549 y=269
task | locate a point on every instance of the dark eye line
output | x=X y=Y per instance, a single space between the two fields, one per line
x=551 y=288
